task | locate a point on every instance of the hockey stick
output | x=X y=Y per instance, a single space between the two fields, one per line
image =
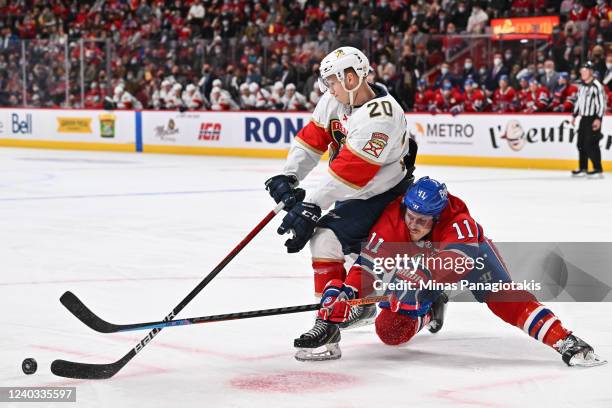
x=96 y=323
x=72 y=369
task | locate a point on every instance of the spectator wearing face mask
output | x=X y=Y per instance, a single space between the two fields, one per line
x=508 y=59
x=445 y=75
x=496 y=72
x=469 y=71
x=598 y=61
x=460 y=16
x=550 y=78
x=477 y=21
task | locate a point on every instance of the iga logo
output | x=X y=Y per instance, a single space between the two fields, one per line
x=21 y=126
x=210 y=131
x=166 y=133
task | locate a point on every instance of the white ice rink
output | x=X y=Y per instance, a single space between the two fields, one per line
x=131 y=235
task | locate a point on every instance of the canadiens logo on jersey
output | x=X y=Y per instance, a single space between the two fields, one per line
x=376 y=144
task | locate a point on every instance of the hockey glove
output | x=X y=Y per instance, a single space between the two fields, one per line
x=301 y=220
x=283 y=188
x=334 y=305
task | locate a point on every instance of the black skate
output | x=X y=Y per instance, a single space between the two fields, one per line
x=319 y=343
x=438 y=309
x=576 y=352
x=579 y=173
x=595 y=174
x=359 y=316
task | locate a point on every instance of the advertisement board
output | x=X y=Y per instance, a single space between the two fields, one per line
x=498 y=140
x=511 y=140
x=55 y=128
x=260 y=134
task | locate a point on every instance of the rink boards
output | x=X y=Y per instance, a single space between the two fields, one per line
x=546 y=141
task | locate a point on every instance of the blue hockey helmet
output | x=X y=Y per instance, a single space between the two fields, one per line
x=426 y=196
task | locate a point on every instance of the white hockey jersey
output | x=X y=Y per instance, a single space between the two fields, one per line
x=366 y=146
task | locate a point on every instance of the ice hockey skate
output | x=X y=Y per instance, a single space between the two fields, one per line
x=319 y=343
x=575 y=352
x=359 y=316
x=438 y=310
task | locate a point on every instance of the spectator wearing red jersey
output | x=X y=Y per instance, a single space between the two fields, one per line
x=474 y=99
x=523 y=90
x=423 y=97
x=520 y=7
x=448 y=99
x=93 y=98
x=538 y=97
x=602 y=10
x=579 y=12
x=565 y=95
x=504 y=97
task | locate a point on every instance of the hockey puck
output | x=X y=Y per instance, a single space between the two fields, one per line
x=29 y=366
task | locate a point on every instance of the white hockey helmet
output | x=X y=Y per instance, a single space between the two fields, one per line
x=253 y=87
x=190 y=88
x=177 y=87
x=337 y=61
x=217 y=82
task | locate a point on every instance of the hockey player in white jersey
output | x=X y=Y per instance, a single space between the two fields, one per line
x=371 y=163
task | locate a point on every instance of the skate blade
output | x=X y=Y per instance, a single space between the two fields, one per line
x=327 y=352
x=360 y=323
x=590 y=360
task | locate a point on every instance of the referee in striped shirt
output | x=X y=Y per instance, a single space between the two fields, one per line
x=590 y=106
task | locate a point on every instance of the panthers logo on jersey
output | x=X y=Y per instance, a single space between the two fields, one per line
x=338 y=134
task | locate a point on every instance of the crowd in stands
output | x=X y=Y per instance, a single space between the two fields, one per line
x=264 y=54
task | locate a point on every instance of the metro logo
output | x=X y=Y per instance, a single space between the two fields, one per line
x=210 y=131
x=271 y=129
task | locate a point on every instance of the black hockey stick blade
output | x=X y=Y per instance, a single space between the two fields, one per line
x=82 y=312
x=71 y=369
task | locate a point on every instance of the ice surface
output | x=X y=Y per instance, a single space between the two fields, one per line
x=131 y=235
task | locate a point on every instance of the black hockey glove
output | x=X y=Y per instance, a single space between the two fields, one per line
x=301 y=220
x=283 y=188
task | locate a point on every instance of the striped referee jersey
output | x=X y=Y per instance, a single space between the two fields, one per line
x=591 y=99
